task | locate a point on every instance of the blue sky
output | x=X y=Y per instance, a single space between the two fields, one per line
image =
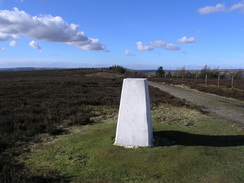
x=137 y=34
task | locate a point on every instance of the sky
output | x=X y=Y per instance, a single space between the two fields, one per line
x=136 y=34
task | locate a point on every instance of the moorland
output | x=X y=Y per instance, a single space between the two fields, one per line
x=59 y=126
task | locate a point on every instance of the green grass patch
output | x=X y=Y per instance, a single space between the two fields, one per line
x=226 y=102
x=191 y=147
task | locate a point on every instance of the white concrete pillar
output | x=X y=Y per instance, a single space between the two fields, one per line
x=134 y=127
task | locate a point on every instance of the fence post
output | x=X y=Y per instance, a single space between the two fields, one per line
x=218 y=81
x=232 y=82
x=206 y=79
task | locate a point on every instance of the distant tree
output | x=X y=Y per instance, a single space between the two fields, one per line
x=238 y=74
x=118 y=69
x=160 y=72
x=177 y=72
x=224 y=74
x=169 y=74
x=182 y=72
x=188 y=74
x=205 y=71
x=214 y=73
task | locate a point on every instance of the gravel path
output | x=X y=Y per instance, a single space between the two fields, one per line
x=226 y=108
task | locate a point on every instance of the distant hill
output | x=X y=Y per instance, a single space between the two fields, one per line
x=16 y=69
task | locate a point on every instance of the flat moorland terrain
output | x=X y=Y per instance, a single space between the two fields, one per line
x=36 y=106
x=59 y=126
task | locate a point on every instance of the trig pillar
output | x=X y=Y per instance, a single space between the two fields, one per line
x=134 y=127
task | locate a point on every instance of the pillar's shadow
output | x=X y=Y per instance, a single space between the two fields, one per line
x=169 y=138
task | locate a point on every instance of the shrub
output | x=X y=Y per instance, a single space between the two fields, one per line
x=118 y=69
x=160 y=72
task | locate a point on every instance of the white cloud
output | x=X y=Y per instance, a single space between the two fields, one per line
x=172 y=47
x=200 y=31
x=237 y=6
x=35 y=45
x=2 y=48
x=186 y=40
x=161 y=44
x=212 y=9
x=13 y=43
x=158 y=43
x=5 y=37
x=47 y=28
x=143 y=47
x=128 y=53
x=221 y=8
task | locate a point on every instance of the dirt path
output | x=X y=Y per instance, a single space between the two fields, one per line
x=226 y=108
